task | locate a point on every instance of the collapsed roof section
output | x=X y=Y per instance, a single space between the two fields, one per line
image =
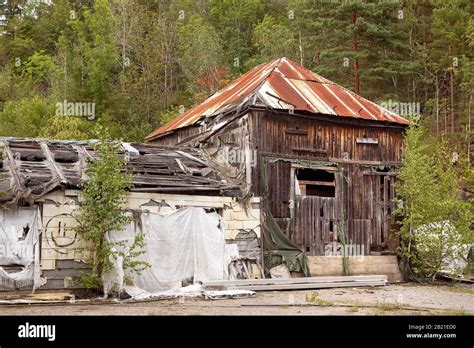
x=30 y=168
x=283 y=84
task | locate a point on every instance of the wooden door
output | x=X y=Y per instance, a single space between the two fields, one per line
x=315 y=223
x=383 y=206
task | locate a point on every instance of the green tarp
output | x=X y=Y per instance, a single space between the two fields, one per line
x=279 y=249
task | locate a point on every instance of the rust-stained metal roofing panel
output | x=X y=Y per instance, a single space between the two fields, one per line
x=283 y=84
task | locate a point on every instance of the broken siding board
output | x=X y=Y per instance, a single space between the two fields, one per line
x=279 y=174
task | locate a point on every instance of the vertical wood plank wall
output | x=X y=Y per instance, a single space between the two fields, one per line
x=366 y=198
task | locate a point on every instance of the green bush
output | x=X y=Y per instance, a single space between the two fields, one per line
x=435 y=219
x=101 y=212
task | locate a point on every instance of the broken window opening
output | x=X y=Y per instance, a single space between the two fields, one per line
x=315 y=182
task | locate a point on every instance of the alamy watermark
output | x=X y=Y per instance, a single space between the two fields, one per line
x=400 y=108
x=66 y=108
x=28 y=330
x=336 y=249
x=236 y=155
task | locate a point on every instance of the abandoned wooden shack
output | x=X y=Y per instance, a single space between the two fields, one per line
x=322 y=158
x=40 y=185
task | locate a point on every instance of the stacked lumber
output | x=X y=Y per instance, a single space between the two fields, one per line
x=297 y=283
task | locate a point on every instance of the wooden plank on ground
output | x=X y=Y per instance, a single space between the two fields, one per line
x=308 y=286
x=306 y=280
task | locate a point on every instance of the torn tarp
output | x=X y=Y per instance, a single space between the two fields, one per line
x=188 y=243
x=19 y=235
x=279 y=249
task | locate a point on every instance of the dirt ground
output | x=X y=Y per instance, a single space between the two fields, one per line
x=396 y=299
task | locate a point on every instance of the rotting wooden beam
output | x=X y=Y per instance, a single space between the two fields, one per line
x=11 y=163
x=52 y=162
x=317 y=183
x=181 y=165
x=298 y=149
x=362 y=162
x=175 y=189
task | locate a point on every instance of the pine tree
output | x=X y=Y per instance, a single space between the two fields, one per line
x=355 y=43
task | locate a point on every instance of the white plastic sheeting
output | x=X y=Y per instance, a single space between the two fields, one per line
x=186 y=243
x=195 y=290
x=19 y=245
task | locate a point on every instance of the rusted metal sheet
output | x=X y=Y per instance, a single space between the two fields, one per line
x=283 y=84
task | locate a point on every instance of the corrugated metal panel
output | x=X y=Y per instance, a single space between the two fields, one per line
x=283 y=84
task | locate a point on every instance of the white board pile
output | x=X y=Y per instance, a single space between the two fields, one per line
x=297 y=283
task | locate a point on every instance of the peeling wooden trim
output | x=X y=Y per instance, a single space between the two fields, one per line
x=317 y=183
x=362 y=162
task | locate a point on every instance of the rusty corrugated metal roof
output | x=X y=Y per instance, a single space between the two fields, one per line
x=283 y=84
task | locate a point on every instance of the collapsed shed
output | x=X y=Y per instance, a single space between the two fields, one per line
x=40 y=185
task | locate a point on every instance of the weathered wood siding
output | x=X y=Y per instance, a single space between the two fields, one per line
x=279 y=172
x=317 y=138
x=178 y=136
x=366 y=193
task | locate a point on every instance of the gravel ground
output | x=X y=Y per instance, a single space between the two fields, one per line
x=396 y=299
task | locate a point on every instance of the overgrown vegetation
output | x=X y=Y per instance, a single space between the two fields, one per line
x=436 y=221
x=101 y=212
x=140 y=61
